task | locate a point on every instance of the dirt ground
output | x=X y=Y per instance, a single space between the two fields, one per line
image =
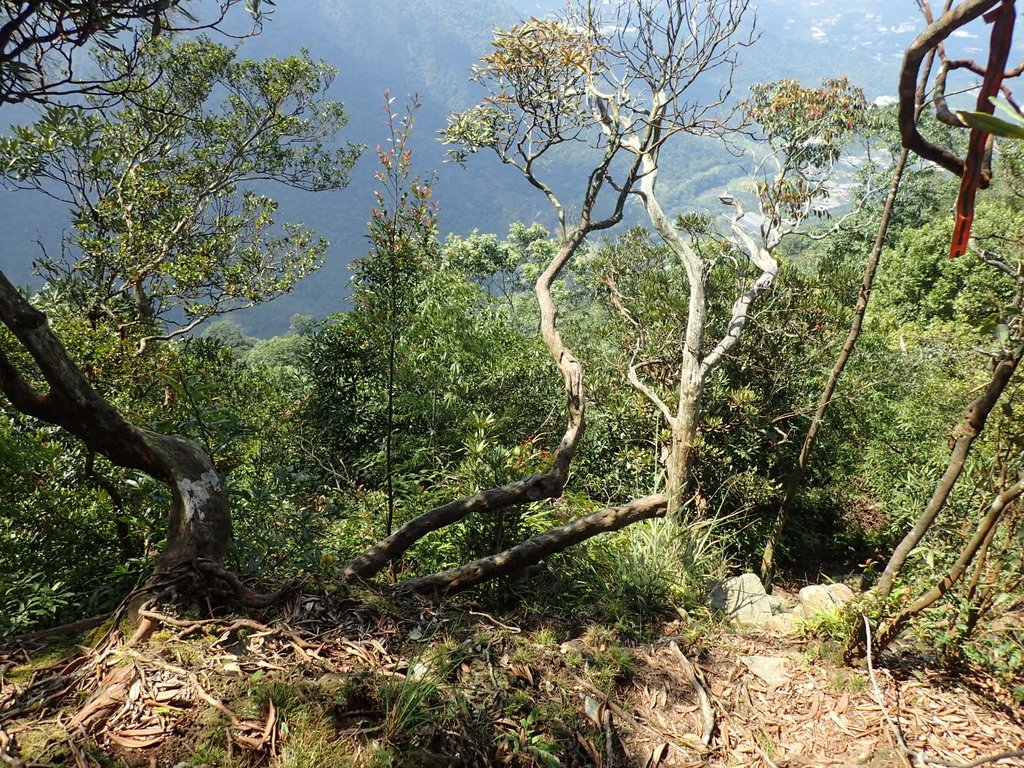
x=324 y=684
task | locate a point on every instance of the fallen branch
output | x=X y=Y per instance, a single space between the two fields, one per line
x=535 y=549
x=707 y=713
x=375 y=559
x=919 y=757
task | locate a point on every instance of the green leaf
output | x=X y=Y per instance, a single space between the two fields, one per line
x=992 y=124
x=1003 y=105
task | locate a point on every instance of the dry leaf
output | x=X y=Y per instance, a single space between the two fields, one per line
x=843 y=704
x=657 y=756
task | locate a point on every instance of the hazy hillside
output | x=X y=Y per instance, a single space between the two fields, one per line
x=426 y=47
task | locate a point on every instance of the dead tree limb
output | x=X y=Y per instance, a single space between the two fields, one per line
x=535 y=549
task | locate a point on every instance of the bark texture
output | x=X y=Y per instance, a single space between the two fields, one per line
x=932 y=36
x=200 y=519
x=534 y=550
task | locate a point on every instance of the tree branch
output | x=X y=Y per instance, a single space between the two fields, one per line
x=537 y=548
x=763 y=260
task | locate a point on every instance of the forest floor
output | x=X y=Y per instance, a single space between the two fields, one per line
x=322 y=682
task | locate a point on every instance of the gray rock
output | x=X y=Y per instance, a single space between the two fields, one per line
x=743 y=599
x=772 y=669
x=818 y=598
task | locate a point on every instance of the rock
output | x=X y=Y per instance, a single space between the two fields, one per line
x=743 y=599
x=418 y=671
x=818 y=598
x=771 y=669
x=784 y=623
x=573 y=646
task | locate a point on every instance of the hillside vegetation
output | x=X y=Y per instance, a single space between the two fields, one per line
x=692 y=325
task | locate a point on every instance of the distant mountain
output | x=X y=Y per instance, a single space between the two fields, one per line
x=427 y=47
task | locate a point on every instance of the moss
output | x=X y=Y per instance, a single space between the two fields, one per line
x=35 y=744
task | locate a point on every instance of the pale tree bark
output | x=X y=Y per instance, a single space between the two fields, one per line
x=199 y=526
x=548 y=485
x=536 y=122
x=535 y=549
x=695 y=366
x=641 y=126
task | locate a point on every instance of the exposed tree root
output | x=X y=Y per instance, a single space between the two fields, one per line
x=246 y=596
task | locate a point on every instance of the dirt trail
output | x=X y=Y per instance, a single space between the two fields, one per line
x=777 y=704
x=323 y=684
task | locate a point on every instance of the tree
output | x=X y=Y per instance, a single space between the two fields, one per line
x=975 y=172
x=544 y=81
x=804 y=130
x=37 y=375
x=168 y=230
x=403 y=235
x=41 y=43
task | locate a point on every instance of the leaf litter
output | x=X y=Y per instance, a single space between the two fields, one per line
x=729 y=700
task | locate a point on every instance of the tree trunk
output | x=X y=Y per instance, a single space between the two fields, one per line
x=534 y=550
x=684 y=435
x=796 y=475
x=963 y=438
x=200 y=518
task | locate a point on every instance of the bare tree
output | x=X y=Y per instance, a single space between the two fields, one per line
x=560 y=83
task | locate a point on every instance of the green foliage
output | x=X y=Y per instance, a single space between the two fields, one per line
x=534 y=75
x=920 y=286
x=29 y=599
x=459 y=352
x=168 y=226
x=806 y=130
x=1009 y=125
